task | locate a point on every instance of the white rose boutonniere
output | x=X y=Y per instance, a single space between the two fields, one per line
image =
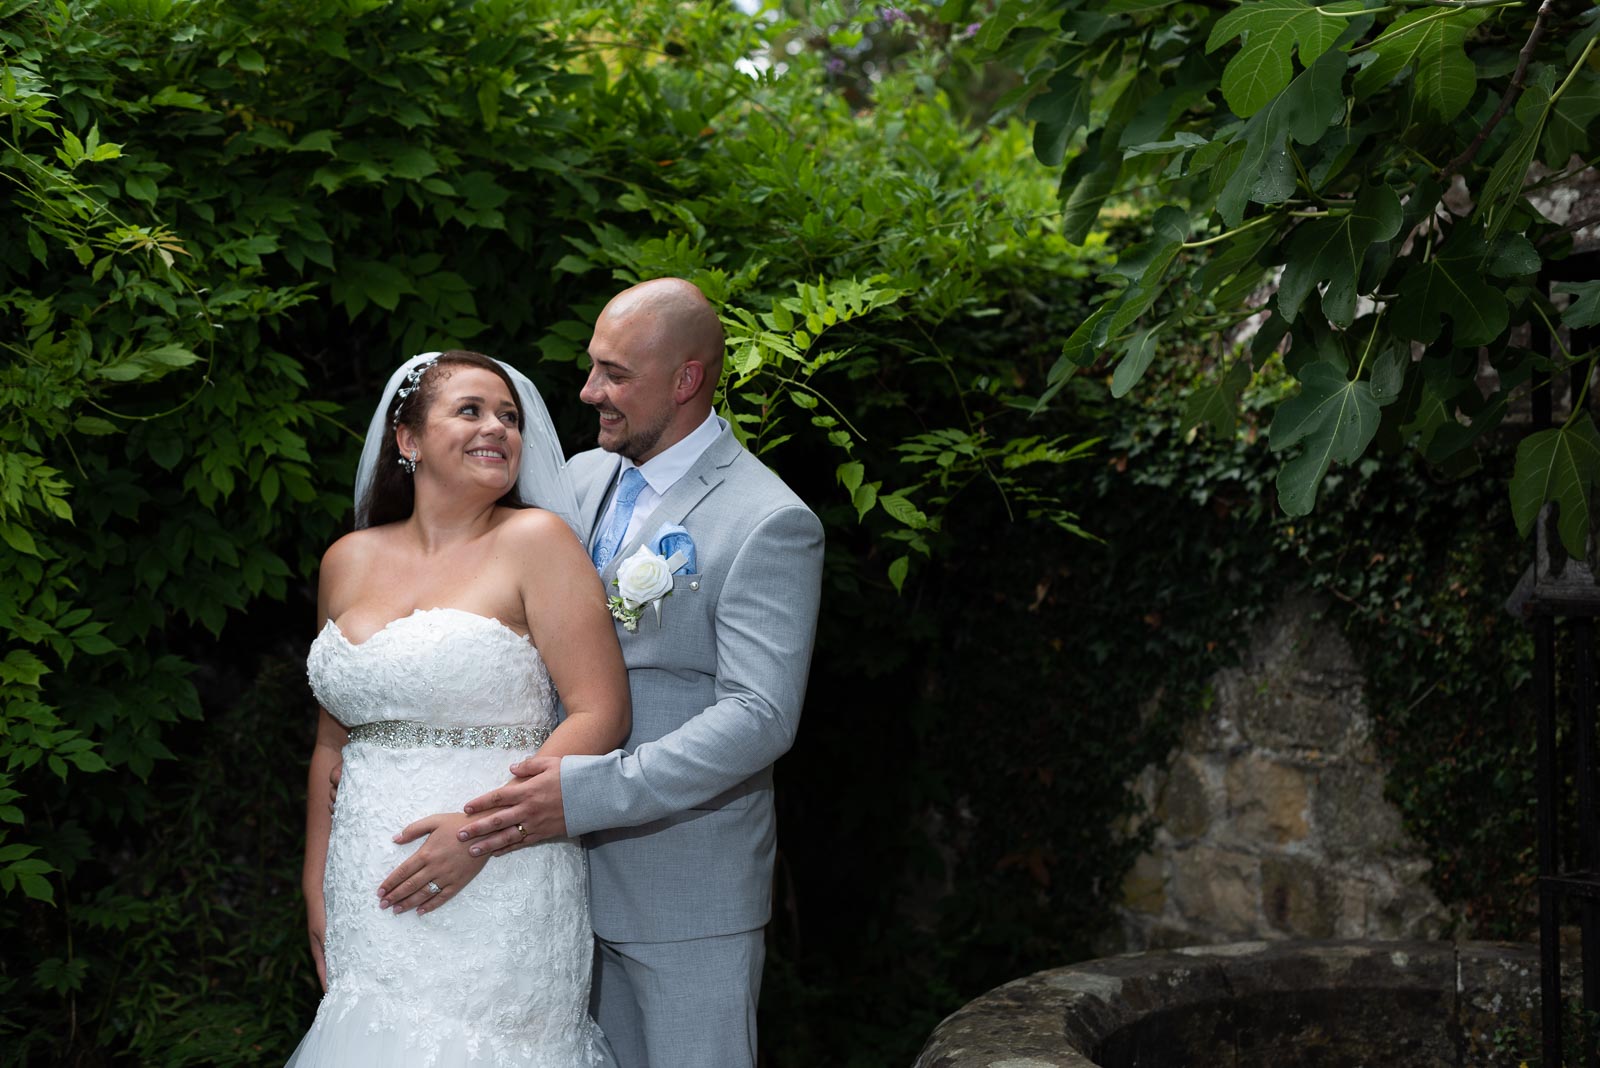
x=644 y=578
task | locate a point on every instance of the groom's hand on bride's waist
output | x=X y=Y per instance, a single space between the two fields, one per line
x=524 y=811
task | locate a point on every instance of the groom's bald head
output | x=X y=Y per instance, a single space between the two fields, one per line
x=657 y=352
x=675 y=319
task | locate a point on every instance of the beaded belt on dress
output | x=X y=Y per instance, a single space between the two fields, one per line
x=406 y=734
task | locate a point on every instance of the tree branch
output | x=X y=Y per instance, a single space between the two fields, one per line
x=1570 y=227
x=1513 y=91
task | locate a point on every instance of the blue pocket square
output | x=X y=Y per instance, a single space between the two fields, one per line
x=672 y=538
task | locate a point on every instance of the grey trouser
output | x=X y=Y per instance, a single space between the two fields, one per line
x=688 y=1004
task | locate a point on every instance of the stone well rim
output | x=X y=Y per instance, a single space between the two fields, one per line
x=1057 y=1017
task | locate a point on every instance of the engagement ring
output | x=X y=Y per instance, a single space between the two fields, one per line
x=433 y=887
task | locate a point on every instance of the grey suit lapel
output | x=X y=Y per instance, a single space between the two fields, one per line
x=705 y=476
x=596 y=505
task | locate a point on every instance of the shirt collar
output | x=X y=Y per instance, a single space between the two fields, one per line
x=662 y=471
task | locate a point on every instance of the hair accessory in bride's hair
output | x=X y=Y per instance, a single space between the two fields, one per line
x=543 y=481
x=412 y=383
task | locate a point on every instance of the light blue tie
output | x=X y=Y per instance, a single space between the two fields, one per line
x=627 y=494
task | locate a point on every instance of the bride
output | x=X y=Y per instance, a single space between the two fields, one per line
x=447 y=617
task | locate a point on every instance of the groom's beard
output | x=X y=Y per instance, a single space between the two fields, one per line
x=634 y=440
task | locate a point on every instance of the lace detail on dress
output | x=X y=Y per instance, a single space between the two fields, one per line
x=440 y=666
x=499 y=975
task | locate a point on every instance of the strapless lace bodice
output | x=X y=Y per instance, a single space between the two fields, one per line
x=440 y=666
x=499 y=974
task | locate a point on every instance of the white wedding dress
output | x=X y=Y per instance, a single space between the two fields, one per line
x=440 y=703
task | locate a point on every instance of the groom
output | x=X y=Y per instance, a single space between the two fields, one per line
x=679 y=822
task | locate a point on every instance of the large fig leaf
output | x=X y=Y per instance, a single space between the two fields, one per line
x=1452 y=284
x=1560 y=464
x=1058 y=113
x=1331 y=250
x=1585 y=307
x=1568 y=128
x=1304 y=111
x=1334 y=417
x=1271 y=30
x=1216 y=403
x=1429 y=42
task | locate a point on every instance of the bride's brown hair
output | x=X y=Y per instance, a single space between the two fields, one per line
x=393 y=495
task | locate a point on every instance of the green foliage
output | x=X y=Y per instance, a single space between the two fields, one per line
x=1520 y=1042
x=227 y=222
x=1273 y=30
x=1550 y=467
x=845 y=260
x=194 y=955
x=1335 y=417
x=101 y=321
x=1330 y=251
x=1293 y=137
x=1428 y=45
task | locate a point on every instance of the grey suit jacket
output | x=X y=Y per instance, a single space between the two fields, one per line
x=679 y=822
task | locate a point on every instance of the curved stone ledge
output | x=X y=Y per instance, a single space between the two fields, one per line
x=1400 y=1004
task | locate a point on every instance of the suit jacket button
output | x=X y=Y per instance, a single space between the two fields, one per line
x=694 y=585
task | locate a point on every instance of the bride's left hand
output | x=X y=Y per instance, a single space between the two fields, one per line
x=441 y=860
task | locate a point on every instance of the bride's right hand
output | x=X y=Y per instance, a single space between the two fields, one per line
x=442 y=860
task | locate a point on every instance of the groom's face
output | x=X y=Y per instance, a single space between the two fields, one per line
x=631 y=385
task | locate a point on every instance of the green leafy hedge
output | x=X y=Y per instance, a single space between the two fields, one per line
x=225 y=223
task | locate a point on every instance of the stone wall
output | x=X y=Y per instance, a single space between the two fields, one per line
x=1271 y=819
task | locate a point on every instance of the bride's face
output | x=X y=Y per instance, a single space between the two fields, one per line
x=471 y=434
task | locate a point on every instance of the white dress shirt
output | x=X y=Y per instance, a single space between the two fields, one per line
x=661 y=472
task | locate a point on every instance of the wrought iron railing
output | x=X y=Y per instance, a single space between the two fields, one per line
x=1560 y=597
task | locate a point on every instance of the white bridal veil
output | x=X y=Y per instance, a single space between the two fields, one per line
x=542 y=481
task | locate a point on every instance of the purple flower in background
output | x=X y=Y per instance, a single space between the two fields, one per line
x=971 y=31
x=892 y=15
x=835 y=65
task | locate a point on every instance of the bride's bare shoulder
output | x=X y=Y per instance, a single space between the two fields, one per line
x=539 y=538
x=534 y=527
x=350 y=564
x=356 y=552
